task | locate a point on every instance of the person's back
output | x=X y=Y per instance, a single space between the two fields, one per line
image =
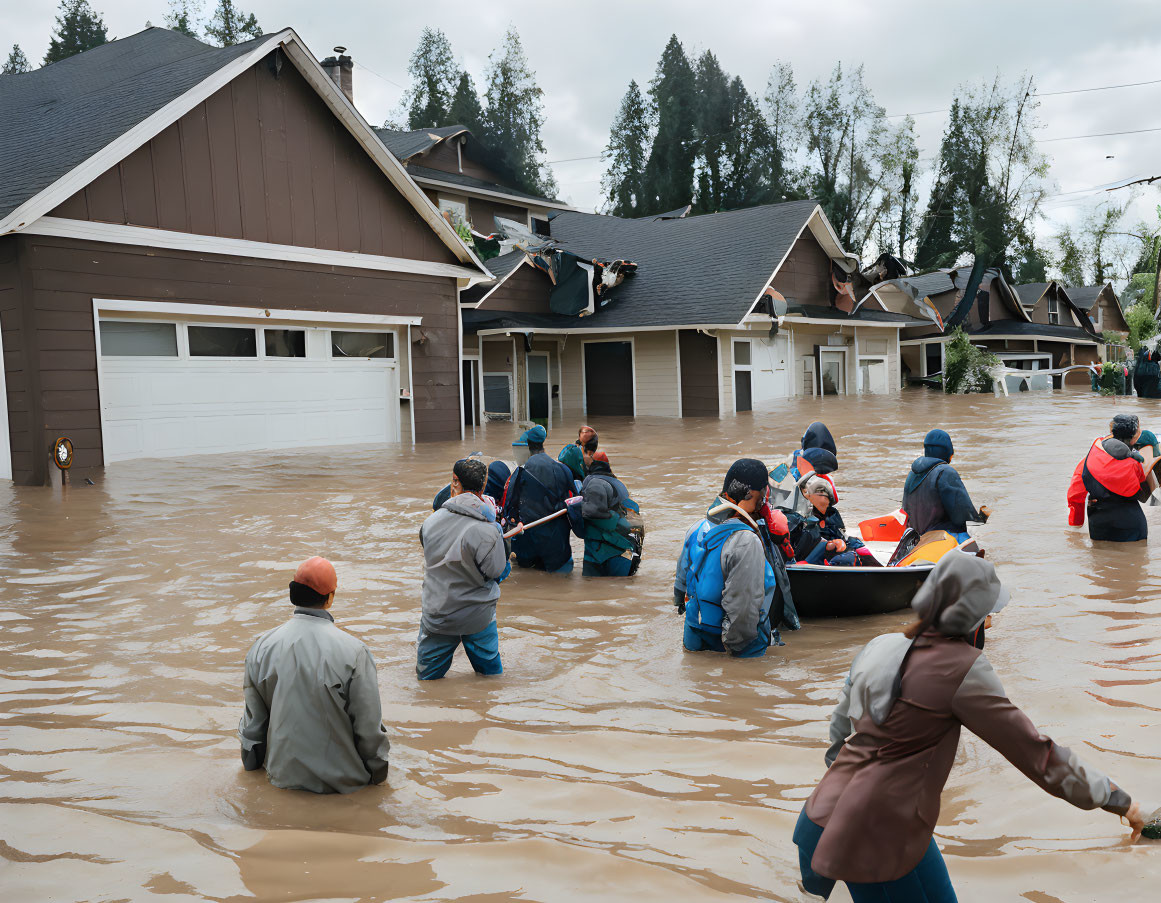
x=313 y=717
x=610 y=548
x=934 y=497
x=536 y=489
x=1112 y=478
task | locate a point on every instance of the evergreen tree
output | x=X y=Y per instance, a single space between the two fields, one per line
x=78 y=28
x=1031 y=265
x=434 y=74
x=747 y=154
x=669 y=171
x=712 y=124
x=515 y=115
x=626 y=152
x=229 y=25
x=183 y=16
x=465 y=107
x=785 y=130
x=16 y=63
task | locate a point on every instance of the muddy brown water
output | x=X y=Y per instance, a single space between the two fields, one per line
x=605 y=764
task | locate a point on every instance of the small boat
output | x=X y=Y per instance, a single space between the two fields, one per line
x=824 y=591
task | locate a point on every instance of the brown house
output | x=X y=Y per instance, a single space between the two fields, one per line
x=1101 y=304
x=209 y=250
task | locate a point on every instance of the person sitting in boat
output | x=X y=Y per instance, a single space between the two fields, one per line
x=612 y=546
x=934 y=497
x=822 y=539
x=817 y=436
x=1114 y=479
x=724 y=584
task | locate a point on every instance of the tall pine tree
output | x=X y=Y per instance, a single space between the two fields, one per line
x=627 y=151
x=748 y=159
x=669 y=172
x=785 y=130
x=229 y=25
x=434 y=74
x=515 y=115
x=183 y=16
x=16 y=63
x=78 y=28
x=712 y=123
x=465 y=107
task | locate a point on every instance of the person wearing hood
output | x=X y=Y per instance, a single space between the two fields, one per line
x=1114 y=479
x=573 y=458
x=611 y=547
x=894 y=736
x=465 y=559
x=537 y=488
x=724 y=579
x=817 y=436
x=817 y=455
x=934 y=497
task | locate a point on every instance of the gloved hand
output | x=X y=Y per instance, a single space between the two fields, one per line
x=985 y=513
x=679 y=601
x=775 y=520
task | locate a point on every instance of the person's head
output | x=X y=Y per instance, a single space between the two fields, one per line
x=937 y=444
x=573 y=458
x=820 y=492
x=314 y=584
x=469 y=475
x=589 y=447
x=600 y=462
x=818 y=436
x=958 y=596
x=584 y=433
x=531 y=442
x=746 y=484
x=1125 y=427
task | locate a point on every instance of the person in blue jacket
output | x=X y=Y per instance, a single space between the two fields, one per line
x=536 y=489
x=728 y=584
x=934 y=497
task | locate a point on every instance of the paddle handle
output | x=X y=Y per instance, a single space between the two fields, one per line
x=536 y=523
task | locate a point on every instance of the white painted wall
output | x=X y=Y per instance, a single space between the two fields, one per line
x=5 y=446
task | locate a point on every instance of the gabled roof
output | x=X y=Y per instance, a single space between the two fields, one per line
x=1031 y=292
x=65 y=124
x=930 y=283
x=1033 y=330
x=406 y=145
x=1085 y=296
x=425 y=174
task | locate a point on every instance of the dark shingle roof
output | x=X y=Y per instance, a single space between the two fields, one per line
x=1032 y=292
x=1084 y=296
x=407 y=144
x=930 y=283
x=504 y=264
x=457 y=178
x=57 y=117
x=1039 y=330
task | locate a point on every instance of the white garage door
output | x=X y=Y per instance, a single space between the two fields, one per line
x=175 y=388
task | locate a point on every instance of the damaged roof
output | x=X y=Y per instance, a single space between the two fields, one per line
x=930 y=283
x=457 y=178
x=1032 y=292
x=405 y=145
x=1085 y=296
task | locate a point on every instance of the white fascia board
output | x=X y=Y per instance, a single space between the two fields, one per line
x=240 y=247
x=223 y=312
x=819 y=321
x=572 y=330
x=819 y=222
x=514 y=200
x=499 y=282
x=126 y=143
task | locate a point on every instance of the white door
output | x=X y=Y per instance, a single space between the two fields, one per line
x=873 y=376
x=832 y=366
x=770 y=358
x=5 y=446
x=170 y=389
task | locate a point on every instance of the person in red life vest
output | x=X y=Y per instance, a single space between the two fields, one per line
x=1113 y=479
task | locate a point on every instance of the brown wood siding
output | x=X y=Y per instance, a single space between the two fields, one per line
x=262 y=159
x=50 y=350
x=525 y=291
x=443 y=157
x=805 y=276
x=483 y=213
x=699 y=374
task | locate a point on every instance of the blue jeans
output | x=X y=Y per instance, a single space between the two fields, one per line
x=617 y=566
x=928 y=882
x=435 y=652
x=697 y=639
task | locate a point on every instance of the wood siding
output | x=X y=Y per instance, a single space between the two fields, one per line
x=483 y=213
x=805 y=276
x=525 y=291
x=50 y=349
x=262 y=159
x=699 y=374
x=444 y=158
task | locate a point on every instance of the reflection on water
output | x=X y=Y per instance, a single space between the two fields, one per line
x=605 y=764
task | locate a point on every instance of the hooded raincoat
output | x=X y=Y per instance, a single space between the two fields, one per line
x=1112 y=480
x=934 y=498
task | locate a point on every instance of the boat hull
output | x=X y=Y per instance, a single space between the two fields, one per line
x=821 y=591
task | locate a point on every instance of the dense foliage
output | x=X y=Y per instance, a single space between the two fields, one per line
x=965 y=366
x=78 y=28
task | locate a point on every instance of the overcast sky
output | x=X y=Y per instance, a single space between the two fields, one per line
x=915 y=53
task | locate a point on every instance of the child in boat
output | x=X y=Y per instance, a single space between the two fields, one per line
x=822 y=538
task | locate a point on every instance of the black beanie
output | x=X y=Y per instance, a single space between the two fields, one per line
x=744 y=475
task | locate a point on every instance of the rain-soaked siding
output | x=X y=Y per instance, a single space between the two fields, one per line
x=50 y=350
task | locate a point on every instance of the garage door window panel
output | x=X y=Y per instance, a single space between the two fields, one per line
x=284 y=342
x=222 y=341
x=125 y=338
x=362 y=344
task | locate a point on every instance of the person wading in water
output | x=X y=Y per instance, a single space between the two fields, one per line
x=934 y=497
x=1114 y=479
x=894 y=736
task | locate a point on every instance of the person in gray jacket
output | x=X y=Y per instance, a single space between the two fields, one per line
x=466 y=558
x=313 y=717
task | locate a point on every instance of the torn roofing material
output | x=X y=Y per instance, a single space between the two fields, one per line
x=407 y=144
x=56 y=117
x=1031 y=292
x=1085 y=296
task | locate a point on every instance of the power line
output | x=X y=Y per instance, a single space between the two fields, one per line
x=1099 y=135
x=378 y=76
x=1156 y=81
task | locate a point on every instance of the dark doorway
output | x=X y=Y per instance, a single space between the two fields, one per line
x=538 y=388
x=744 y=401
x=609 y=378
x=470 y=380
x=933 y=355
x=699 y=374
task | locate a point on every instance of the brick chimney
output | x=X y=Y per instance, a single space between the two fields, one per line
x=341 y=69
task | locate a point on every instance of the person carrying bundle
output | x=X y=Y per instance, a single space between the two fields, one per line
x=536 y=489
x=609 y=523
x=1114 y=479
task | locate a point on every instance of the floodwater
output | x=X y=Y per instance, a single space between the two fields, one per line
x=605 y=764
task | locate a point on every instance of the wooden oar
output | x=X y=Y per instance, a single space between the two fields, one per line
x=520 y=528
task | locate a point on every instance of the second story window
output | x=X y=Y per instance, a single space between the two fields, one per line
x=1053 y=311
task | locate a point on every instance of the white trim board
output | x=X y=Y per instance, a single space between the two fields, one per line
x=273 y=315
x=240 y=247
x=515 y=200
x=632 y=362
x=599 y=330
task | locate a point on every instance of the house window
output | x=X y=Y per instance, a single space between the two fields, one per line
x=285 y=342
x=458 y=210
x=540 y=226
x=120 y=338
x=741 y=354
x=222 y=341
x=362 y=344
x=1053 y=312
x=497 y=393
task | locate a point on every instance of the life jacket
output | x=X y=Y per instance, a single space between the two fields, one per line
x=1109 y=478
x=619 y=533
x=705 y=582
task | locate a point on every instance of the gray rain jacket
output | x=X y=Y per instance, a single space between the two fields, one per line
x=465 y=555
x=313 y=716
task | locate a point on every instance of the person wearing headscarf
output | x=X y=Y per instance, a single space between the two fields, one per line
x=894 y=736
x=1113 y=479
x=537 y=488
x=934 y=497
x=726 y=582
x=612 y=547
